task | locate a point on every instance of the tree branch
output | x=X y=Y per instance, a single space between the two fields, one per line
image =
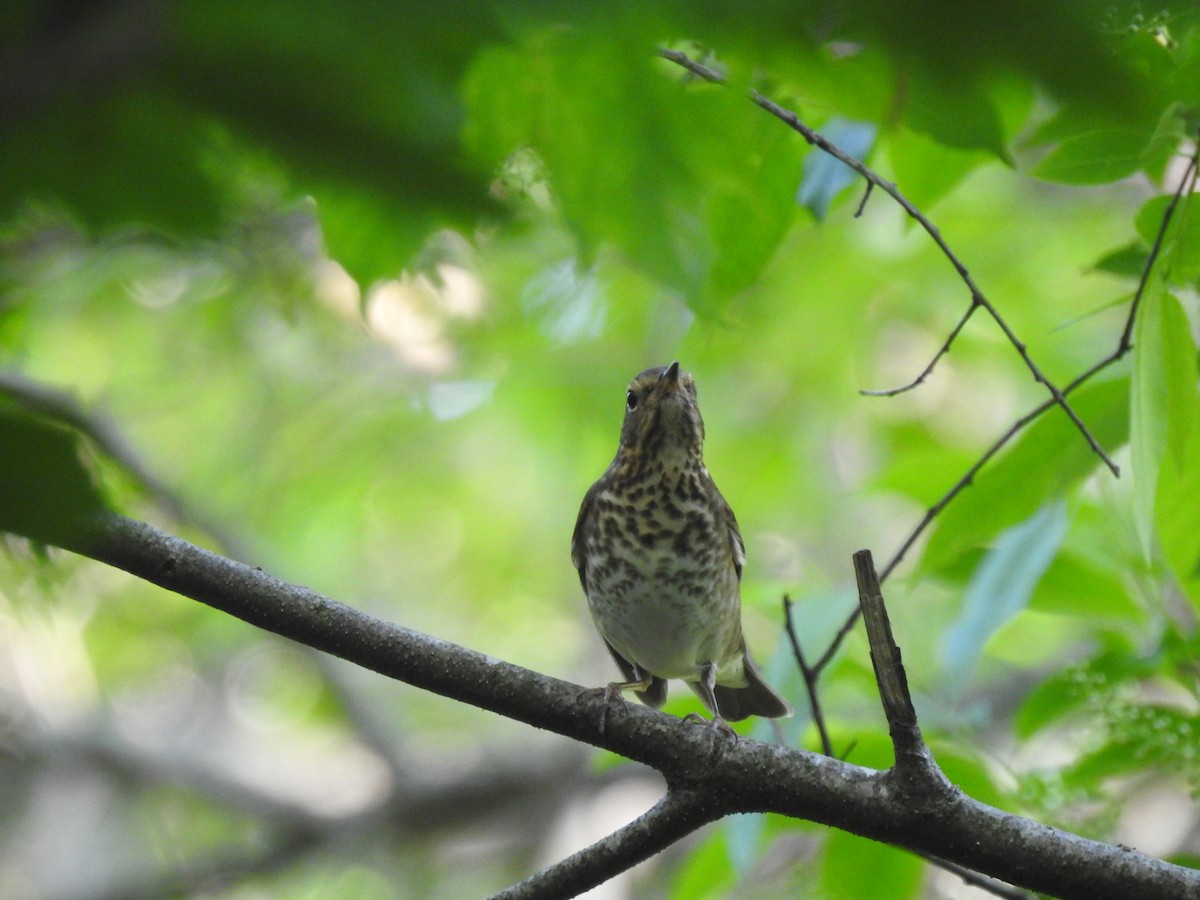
x=744 y=776
x=1124 y=345
x=978 y=299
x=928 y=370
x=911 y=752
x=1187 y=184
x=676 y=815
x=108 y=437
x=915 y=764
x=811 y=675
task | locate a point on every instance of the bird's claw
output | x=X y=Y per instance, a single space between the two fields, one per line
x=610 y=693
x=715 y=725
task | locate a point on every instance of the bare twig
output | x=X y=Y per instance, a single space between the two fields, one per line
x=915 y=764
x=1124 y=345
x=889 y=669
x=983 y=882
x=920 y=379
x=1187 y=184
x=862 y=204
x=811 y=677
x=978 y=299
x=696 y=68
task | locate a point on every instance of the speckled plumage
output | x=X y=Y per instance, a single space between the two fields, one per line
x=660 y=558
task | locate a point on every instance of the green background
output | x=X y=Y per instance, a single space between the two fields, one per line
x=360 y=286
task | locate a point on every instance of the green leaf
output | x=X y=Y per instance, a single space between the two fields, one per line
x=1179 y=254
x=706 y=871
x=1068 y=690
x=1002 y=585
x=363 y=112
x=1176 y=512
x=1141 y=737
x=131 y=159
x=1072 y=587
x=926 y=171
x=45 y=490
x=960 y=114
x=967 y=770
x=1164 y=143
x=855 y=867
x=1051 y=457
x=1164 y=400
x=1177 y=519
x=691 y=183
x=1128 y=261
x=1096 y=157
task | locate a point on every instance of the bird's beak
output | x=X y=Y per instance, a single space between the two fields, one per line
x=669 y=379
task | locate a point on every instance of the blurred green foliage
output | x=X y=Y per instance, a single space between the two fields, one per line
x=362 y=284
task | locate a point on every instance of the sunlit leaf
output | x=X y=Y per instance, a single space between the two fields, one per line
x=1164 y=398
x=688 y=180
x=1047 y=460
x=1072 y=587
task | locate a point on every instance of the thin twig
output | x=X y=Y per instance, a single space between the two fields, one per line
x=810 y=678
x=862 y=204
x=699 y=69
x=983 y=882
x=920 y=379
x=1124 y=345
x=1187 y=184
x=978 y=299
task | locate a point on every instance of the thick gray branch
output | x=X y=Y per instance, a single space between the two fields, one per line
x=746 y=776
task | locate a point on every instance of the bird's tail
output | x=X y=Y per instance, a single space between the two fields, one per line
x=755 y=699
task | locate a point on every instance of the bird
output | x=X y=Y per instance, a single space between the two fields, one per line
x=660 y=557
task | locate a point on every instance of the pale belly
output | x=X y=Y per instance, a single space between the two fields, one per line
x=669 y=617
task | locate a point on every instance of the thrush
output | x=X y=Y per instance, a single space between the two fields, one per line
x=660 y=558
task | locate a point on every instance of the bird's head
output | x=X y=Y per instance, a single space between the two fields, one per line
x=662 y=418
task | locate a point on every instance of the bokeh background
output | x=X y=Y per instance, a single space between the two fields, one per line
x=352 y=291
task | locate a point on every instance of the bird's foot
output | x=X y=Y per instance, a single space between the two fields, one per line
x=611 y=693
x=716 y=725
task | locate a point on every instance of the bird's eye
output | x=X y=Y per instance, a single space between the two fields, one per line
x=631 y=401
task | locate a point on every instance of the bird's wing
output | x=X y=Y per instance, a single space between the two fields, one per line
x=735 y=537
x=578 y=550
